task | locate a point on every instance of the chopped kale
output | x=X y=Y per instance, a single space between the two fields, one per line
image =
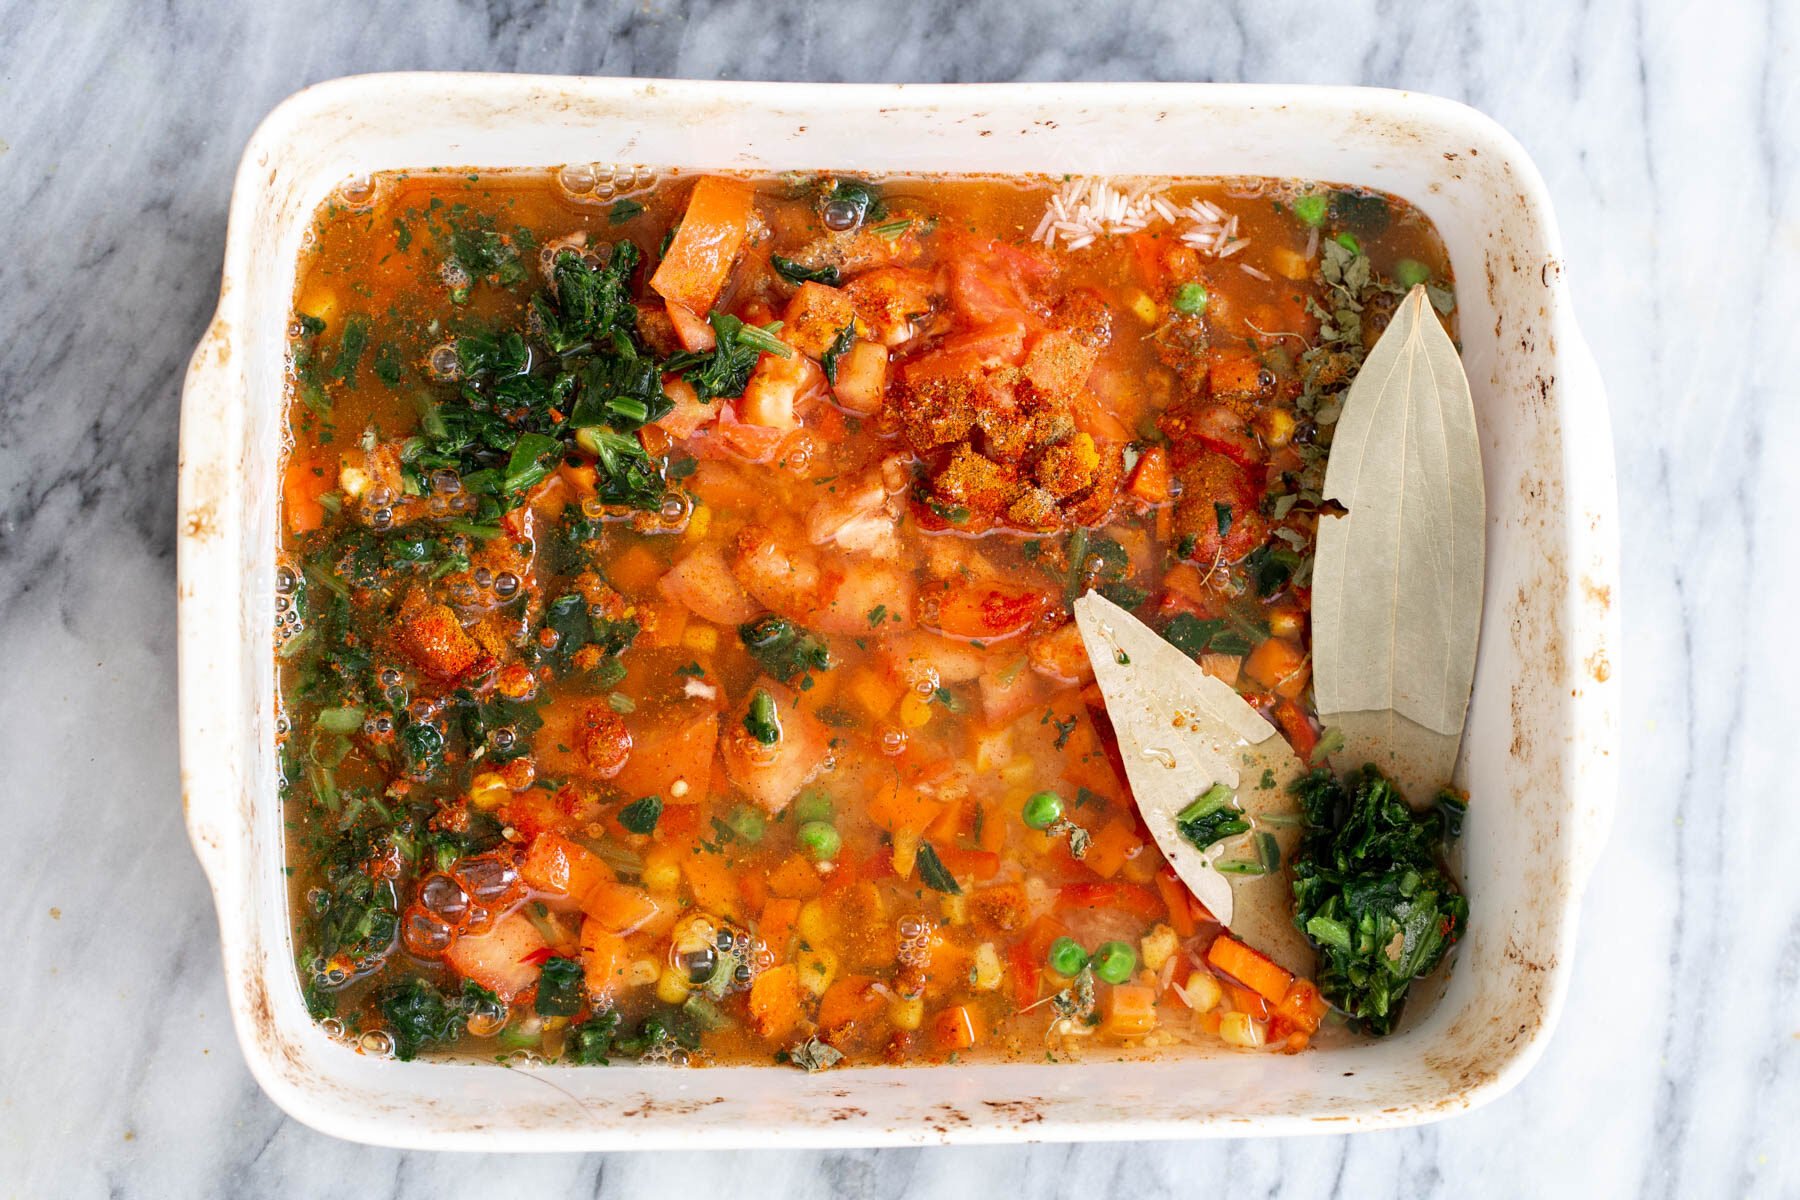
x=559 y=989
x=784 y=649
x=1371 y=892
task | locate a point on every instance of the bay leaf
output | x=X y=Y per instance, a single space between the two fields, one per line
x=1180 y=732
x=1397 y=582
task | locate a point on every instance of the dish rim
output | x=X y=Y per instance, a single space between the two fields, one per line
x=210 y=794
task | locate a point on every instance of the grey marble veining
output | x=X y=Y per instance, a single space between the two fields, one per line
x=1667 y=132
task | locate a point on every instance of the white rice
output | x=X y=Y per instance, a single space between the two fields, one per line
x=1087 y=208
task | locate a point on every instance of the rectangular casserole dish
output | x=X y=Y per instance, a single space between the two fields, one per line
x=1539 y=753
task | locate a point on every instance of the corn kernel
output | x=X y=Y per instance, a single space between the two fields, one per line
x=1286 y=622
x=812 y=924
x=662 y=870
x=1020 y=770
x=907 y=1013
x=955 y=909
x=1143 y=306
x=988 y=968
x=699 y=521
x=993 y=750
x=915 y=711
x=700 y=637
x=1158 y=945
x=1290 y=264
x=488 y=791
x=1239 y=1029
x=643 y=972
x=906 y=851
x=672 y=986
x=1202 y=992
x=1278 y=427
x=818 y=970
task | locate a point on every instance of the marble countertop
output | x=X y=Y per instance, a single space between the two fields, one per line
x=1666 y=132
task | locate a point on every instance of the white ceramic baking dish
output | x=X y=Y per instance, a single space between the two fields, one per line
x=1539 y=757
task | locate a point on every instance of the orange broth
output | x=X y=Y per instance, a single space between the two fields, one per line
x=713 y=738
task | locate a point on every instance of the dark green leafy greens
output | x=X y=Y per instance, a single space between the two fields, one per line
x=418 y=1015
x=1212 y=817
x=1371 y=893
x=559 y=988
x=784 y=649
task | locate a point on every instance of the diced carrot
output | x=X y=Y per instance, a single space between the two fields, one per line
x=1128 y=1010
x=1113 y=843
x=635 y=571
x=1134 y=898
x=1175 y=897
x=1298 y=728
x=306 y=479
x=1150 y=479
x=992 y=837
x=1209 y=1021
x=897 y=806
x=775 y=1001
x=1236 y=373
x=603 y=959
x=794 y=878
x=753 y=886
x=776 y=925
x=980 y=865
x=691 y=329
x=1248 y=967
x=671 y=756
x=1146 y=249
x=712 y=230
x=874 y=691
x=1302 y=1006
x=667 y=624
x=1024 y=969
x=618 y=907
x=555 y=864
x=956 y=1028
x=849 y=1000
x=582 y=481
x=713 y=882
x=1006 y=906
x=678 y=820
x=1246 y=1001
x=1279 y=665
x=948 y=823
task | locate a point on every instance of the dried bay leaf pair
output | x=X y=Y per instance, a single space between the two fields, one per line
x=1396 y=612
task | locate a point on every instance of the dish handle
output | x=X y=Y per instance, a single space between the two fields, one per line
x=211 y=574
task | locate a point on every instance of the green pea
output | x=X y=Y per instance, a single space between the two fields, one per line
x=1348 y=241
x=1043 y=810
x=1410 y=272
x=814 y=804
x=820 y=840
x=748 y=823
x=1115 y=961
x=1066 y=956
x=1190 y=298
x=1310 y=209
